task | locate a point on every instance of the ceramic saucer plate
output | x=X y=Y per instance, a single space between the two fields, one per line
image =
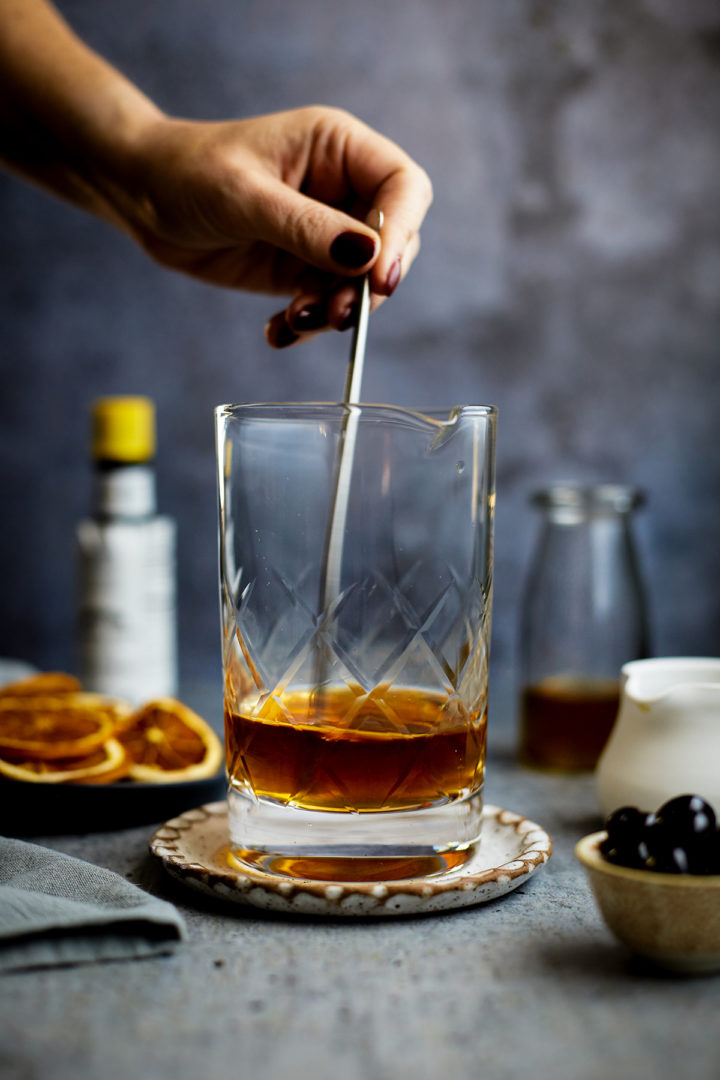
x=194 y=849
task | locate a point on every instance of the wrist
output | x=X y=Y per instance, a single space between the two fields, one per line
x=113 y=142
x=136 y=163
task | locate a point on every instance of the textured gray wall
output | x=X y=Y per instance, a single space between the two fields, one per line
x=570 y=274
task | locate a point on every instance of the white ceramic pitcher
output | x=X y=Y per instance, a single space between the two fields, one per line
x=666 y=739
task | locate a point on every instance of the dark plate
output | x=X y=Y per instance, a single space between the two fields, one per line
x=28 y=809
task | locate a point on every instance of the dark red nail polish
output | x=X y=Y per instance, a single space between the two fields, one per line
x=311 y=317
x=349 y=318
x=393 y=278
x=285 y=336
x=352 y=250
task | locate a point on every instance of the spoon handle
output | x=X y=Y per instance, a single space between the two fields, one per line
x=332 y=562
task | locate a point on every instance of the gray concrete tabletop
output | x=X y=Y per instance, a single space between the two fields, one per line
x=528 y=984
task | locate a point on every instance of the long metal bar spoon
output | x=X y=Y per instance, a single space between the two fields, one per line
x=332 y=560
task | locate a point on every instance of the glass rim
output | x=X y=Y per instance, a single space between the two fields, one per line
x=313 y=408
x=620 y=498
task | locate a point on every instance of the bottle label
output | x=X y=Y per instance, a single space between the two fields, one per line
x=127 y=614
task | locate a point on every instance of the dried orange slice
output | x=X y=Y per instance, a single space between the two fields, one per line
x=167 y=742
x=48 y=728
x=107 y=763
x=46 y=683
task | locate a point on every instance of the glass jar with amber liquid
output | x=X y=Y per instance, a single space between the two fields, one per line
x=583 y=617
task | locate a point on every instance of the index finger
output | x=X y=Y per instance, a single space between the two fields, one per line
x=388 y=179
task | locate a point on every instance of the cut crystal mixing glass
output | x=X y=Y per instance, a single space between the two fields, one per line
x=355 y=709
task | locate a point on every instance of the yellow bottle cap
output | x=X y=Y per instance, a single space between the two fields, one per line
x=123 y=429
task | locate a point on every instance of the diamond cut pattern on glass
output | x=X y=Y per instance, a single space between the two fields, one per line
x=426 y=631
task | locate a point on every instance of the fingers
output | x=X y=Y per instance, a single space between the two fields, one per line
x=347 y=165
x=323 y=303
x=313 y=313
x=398 y=269
x=319 y=235
x=375 y=173
x=335 y=308
x=387 y=178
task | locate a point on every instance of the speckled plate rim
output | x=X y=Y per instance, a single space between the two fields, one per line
x=187 y=846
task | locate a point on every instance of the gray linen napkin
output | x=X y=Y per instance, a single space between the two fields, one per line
x=57 y=910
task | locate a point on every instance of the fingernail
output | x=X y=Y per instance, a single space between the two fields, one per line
x=349 y=318
x=352 y=250
x=285 y=336
x=311 y=317
x=393 y=277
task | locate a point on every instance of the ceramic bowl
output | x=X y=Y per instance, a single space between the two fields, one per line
x=672 y=920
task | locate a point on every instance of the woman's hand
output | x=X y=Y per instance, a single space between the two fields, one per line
x=277 y=204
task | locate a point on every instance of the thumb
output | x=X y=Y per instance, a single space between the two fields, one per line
x=319 y=235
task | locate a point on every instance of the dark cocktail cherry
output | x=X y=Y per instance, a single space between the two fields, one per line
x=688 y=815
x=689 y=821
x=666 y=850
x=704 y=853
x=625 y=844
x=681 y=837
x=626 y=822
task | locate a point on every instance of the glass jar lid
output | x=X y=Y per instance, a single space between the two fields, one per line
x=575 y=501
